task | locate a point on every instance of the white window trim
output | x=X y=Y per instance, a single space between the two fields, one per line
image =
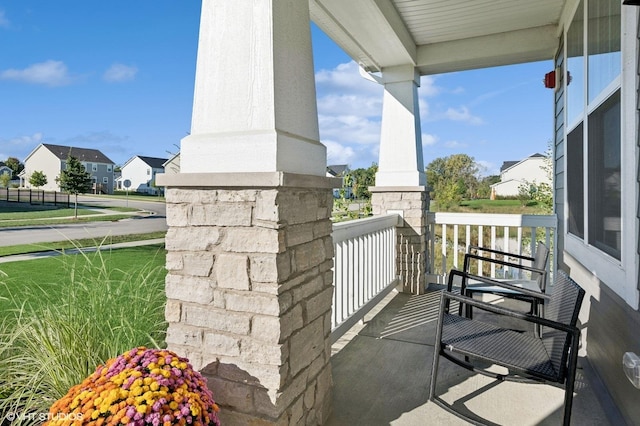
x=618 y=275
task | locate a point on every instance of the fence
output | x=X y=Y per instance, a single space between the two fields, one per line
x=32 y=196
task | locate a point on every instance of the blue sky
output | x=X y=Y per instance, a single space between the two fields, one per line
x=118 y=76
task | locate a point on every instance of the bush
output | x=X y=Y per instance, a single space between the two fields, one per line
x=141 y=387
x=54 y=342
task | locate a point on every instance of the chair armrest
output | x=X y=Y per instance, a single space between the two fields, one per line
x=505 y=253
x=500 y=262
x=508 y=312
x=466 y=276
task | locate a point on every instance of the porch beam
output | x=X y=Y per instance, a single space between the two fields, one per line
x=379 y=39
x=528 y=45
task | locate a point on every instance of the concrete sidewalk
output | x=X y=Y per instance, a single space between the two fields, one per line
x=382 y=372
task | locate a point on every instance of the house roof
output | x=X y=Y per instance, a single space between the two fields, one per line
x=153 y=162
x=82 y=154
x=173 y=157
x=156 y=163
x=508 y=164
x=337 y=170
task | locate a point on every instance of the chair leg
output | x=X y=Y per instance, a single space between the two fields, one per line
x=436 y=353
x=434 y=373
x=570 y=381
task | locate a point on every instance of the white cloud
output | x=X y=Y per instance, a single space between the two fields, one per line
x=4 y=22
x=428 y=87
x=455 y=144
x=463 y=114
x=338 y=154
x=488 y=168
x=19 y=146
x=118 y=73
x=429 y=140
x=49 y=73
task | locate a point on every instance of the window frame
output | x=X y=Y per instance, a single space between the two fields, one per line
x=619 y=275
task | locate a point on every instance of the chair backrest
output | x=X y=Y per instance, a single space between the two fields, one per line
x=563 y=307
x=540 y=260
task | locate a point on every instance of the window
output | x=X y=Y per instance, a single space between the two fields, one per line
x=594 y=166
x=105 y=180
x=109 y=168
x=605 y=206
x=575 y=181
x=94 y=167
x=148 y=172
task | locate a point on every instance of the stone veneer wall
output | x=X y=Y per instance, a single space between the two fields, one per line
x=413 y=202
x=249 y=291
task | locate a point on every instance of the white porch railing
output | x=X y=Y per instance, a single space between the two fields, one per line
x=366 y=252
x=451 y=234
x=364 y=268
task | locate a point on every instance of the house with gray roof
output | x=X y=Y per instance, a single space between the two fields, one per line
x=52 y=159
x=140 y=172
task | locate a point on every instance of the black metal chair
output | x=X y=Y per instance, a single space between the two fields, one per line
x=548 y=358
x=535 y=267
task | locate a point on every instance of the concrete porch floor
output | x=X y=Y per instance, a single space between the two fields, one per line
x=382 y=372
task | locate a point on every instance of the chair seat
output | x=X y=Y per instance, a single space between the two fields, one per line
x=522 y=353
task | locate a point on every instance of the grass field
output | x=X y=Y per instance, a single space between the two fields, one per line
x=495 y=206
x=29 y=280
x=85 y=242
x=23 y=214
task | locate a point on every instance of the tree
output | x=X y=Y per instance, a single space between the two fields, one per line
x=484 y=185
x=452 y=179
x=361 y=179
x=15 y=165
x=75 y=180
x=5 y=178
x=38 y=179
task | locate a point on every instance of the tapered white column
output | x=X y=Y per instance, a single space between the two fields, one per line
x=401 y=162
x=254 y=105
x=400 y=181
x=249 y=248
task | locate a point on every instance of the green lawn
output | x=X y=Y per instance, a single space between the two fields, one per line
x=20 y=211
x=495 y=206
x=31 y=279
x=86 y=242
x=23 y=214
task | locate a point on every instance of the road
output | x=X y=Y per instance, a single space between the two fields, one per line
x=51 y=233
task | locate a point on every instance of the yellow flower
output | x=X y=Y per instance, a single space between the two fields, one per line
x=141 y=409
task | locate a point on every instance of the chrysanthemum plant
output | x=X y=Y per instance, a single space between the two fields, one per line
x=142 y=387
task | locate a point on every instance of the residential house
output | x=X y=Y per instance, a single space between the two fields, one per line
x=340 y=171
x=514 y=174
x=172 y=165
x=51 y=160
x=141 y=172
x=5 y=170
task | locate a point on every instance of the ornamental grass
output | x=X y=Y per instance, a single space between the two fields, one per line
x=142 y=387
x=55 y=333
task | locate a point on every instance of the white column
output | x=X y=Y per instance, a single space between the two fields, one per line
x=401 y=163
x=254 y=106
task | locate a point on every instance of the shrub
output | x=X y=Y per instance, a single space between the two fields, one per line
x=51 y=340
x=141 y=387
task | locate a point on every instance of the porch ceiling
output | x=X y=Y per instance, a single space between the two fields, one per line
x=441 y=35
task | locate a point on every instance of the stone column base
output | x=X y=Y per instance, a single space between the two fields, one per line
x=249 y=289
x=412 y=203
